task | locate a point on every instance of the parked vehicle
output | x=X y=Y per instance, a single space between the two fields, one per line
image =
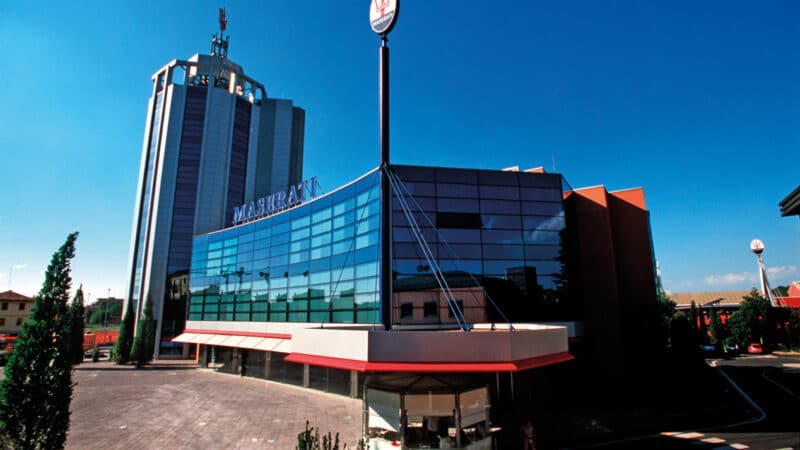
x=711 y=350
x=755 y=347
x=6 y=348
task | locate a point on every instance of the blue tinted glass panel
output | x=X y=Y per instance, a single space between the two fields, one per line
x=499 y=207
x=500 y=222
x=541 y=208
x=458 y=205
x=542 y=237
x=543 y=222
x=503 y=252
x=500 y=192
x=457 y=190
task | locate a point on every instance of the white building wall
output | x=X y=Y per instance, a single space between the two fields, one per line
x=165 y=200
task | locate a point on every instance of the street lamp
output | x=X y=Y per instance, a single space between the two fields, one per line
x=757 y=247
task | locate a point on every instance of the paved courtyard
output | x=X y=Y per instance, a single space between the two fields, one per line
x=173 y=405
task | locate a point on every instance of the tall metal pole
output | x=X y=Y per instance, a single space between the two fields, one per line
x=105 y=320
x=386 y=199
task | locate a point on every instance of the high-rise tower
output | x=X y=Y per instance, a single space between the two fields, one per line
x=212 y=140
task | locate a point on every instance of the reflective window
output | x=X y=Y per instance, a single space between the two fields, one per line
x=500 y=192
x=457 y=190
x=299 y=264
x=498 y=234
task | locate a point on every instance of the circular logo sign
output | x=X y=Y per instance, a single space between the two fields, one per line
x=757 y=246
x=382 y=15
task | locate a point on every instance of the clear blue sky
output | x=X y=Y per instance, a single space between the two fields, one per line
x=697 y=102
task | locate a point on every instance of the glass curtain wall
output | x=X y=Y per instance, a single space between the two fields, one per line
x=317 y=263
x=491 y=232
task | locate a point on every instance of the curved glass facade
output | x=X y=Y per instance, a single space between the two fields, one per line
x=497 y=237
x=317 y=262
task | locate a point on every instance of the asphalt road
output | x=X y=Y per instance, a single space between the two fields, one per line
x=771 y=385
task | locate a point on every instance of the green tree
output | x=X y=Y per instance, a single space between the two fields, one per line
x=145 y=339
x=752 y=321
x=122 y=348
x=75 y=327
x=694 y=325
x=682 y=335
x=792 y=328
x=781 y=291
x=37 y=389
x=718 y=330
x=104 y=311
x=665 y=310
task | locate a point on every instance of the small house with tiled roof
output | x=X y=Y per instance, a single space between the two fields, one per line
x=717 y=299
x=15 y=309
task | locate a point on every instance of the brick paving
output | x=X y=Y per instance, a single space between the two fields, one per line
x=173 y=405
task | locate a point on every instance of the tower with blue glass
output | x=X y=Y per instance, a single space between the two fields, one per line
x=212 y=139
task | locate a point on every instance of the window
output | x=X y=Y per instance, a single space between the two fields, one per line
x=19 y=321
x=2 y=321
x=5 y=306
x=459 y=305
x=22 y=306
x=430 y=309
x=458 y=220
x=406 y=310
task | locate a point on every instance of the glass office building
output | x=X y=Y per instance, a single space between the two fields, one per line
x=479 y=246
x=212 y=139
x=494 y=235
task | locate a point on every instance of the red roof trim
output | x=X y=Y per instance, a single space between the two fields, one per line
x=375 y=366
x=241 y=333
x=789 y=302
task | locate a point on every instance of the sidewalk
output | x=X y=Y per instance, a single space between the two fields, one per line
x=171 y=404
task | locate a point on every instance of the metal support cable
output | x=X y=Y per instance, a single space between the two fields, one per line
x=352 y=241
x=428 y=253
x=453 y=253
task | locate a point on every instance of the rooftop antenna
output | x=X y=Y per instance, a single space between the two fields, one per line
x=219 y=44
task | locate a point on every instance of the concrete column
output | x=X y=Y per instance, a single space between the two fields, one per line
x=203 y=358
x=306 y=375
x=353 y=384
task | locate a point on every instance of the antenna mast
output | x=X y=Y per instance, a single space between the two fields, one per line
x=219 y=44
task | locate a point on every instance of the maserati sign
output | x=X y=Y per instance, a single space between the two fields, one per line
x=383 y=15
x=275 y=202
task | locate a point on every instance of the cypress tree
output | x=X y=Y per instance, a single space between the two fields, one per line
x=122 y=348
x=37 y=389
x=75 y=326
x=145 y=340
x=695 y=323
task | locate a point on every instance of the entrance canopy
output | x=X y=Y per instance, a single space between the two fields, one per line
x=422 y=410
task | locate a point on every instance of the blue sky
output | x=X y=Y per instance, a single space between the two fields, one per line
x=696 y=102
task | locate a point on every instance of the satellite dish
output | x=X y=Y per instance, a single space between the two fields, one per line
x=757 y=246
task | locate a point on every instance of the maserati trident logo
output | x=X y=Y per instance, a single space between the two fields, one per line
x=382 y=15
